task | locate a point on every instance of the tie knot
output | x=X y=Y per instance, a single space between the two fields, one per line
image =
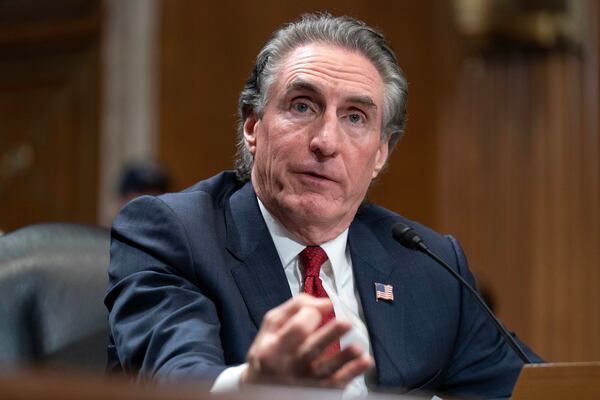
x=312 y=257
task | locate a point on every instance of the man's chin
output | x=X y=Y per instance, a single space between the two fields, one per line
x=314 y=207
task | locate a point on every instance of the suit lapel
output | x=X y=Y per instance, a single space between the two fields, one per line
x=257 y=271
x=386 y=320
x=261 y=280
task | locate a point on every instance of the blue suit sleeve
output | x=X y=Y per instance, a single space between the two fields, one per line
x=162 y=326
x=483 y=364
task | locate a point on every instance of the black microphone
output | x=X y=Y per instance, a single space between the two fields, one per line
x=408 y=238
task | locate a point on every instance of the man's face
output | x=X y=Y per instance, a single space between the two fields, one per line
x=317 y=146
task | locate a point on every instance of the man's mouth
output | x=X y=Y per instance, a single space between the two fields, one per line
x=312 y=176
x=316 y=175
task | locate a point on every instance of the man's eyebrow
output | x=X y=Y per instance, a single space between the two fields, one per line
x=300 y=84
x=364 y=100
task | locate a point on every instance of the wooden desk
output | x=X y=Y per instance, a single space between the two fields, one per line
x=559 y=381
x=48 y=385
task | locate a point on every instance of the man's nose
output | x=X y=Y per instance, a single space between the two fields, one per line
x=326 y=135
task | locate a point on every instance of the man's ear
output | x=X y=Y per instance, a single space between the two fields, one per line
x=250 y=124
x=380 y=158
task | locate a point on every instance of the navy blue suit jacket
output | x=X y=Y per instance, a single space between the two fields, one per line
x=193 y=273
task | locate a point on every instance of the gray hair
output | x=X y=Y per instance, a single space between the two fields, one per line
x=341 y=31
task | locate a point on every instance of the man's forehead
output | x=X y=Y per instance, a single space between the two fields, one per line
x=329 y=51
x=311 y=66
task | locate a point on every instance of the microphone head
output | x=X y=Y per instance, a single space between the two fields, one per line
x=407 y=237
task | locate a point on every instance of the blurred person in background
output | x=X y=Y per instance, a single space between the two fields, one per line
x=142 y=178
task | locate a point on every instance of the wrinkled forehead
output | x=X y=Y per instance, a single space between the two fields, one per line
x=330 y=66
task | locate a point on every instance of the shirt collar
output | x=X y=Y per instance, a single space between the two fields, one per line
x=288 y=247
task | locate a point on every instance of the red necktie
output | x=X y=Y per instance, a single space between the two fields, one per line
x=311 y=258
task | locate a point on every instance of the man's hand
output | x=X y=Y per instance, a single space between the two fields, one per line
x=289 y=347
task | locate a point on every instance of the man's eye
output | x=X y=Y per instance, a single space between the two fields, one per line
x=355 y=118
x=301 y=107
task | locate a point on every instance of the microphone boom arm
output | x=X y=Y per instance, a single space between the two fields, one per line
x=408 y=238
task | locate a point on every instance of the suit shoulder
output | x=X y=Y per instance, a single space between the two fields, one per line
x=379 y=221
x=382 y=219
x=212 y=192
x=200 y=204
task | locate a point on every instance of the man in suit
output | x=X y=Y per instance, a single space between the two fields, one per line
x=208 y=283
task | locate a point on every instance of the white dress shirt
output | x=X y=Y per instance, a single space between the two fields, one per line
x=338 y=281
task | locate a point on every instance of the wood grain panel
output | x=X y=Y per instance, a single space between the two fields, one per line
x=522 y=195
x=48 y=111
x=558 y=381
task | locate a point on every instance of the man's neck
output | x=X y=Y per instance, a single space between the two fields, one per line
x=305 y=230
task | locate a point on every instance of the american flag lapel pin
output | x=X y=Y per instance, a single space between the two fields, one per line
x=384 y=292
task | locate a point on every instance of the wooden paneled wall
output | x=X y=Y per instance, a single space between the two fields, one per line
x=501 y=153
x=49 y=90
x=520 y=186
